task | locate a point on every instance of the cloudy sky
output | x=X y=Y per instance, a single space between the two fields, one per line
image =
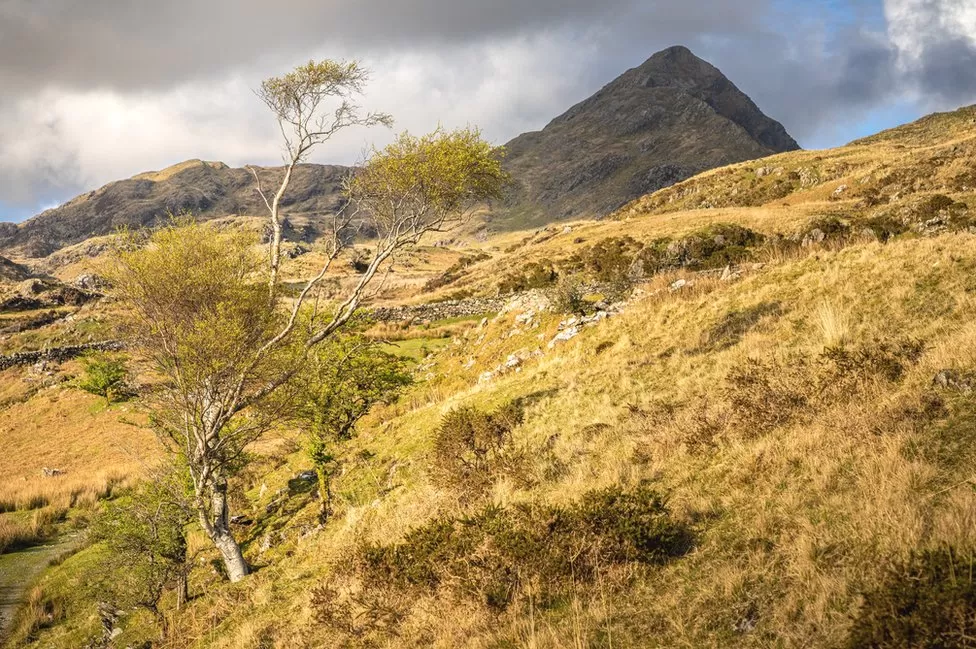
x=97 y=90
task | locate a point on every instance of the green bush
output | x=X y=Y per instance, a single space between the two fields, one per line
x=926 y=602
x=105 y=375
x=714 y=247
x=569 y=296
x=472 y=447
x=537 y=274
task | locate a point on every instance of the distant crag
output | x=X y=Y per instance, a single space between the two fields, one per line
x=207 y=189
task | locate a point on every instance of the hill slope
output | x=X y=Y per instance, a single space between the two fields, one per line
x=888 y=175
x=670 y=118
x=208 y=189
x=808 y=423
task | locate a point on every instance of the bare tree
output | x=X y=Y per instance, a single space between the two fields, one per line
x=211 y=319
x=296 y=100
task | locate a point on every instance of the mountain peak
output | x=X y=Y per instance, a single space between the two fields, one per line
x=673 y=116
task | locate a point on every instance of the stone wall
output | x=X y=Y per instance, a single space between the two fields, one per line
x=440 y=310
x=57 y=354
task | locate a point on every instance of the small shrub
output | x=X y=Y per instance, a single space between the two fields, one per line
x=569 y=296
x=105 y=376
x=537 y=274
x=472 y=447
x=926 y=602
x=763 y=395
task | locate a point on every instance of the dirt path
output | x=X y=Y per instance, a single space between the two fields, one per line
x=18 y=570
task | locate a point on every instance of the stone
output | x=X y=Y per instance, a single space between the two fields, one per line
x=730 y=274
x=813 y=237
x=564 y=336
x=840 y=190
x=678 y=285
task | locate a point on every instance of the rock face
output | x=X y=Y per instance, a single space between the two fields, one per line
x=11 y=272
x=657 y=124
x=208 y=189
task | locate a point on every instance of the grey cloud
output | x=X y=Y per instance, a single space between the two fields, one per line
x=946 y=71
x=148 y=43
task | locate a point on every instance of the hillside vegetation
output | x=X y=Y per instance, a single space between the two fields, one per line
x=767 y=441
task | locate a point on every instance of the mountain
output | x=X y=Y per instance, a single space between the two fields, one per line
x=674 y=116
x=655 y=125
x=207 y=189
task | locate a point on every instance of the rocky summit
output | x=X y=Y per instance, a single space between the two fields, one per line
x=667 y=120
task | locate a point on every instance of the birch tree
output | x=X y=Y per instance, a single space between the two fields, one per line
x=210 y=318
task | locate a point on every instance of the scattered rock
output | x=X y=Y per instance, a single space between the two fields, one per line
x=955 y=380
x=89 y=282
x=813 y=237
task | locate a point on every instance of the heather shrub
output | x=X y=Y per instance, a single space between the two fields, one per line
x=490 y=556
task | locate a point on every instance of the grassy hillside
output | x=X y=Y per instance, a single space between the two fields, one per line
x=779 y=458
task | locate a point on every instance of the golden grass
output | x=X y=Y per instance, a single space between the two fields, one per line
x=793 y=522
x=65 y=429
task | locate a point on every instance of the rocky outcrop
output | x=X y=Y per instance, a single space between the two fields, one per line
x=11 y=272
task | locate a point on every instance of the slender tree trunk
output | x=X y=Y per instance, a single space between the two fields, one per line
x=325 y=493
x=218 y=529
x=182 y=590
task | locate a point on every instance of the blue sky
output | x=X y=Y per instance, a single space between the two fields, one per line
x=94 y=94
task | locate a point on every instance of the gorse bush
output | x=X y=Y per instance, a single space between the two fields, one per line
x=105 y=375
x=926 y=602
x=472 y=448
x=498 y=553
